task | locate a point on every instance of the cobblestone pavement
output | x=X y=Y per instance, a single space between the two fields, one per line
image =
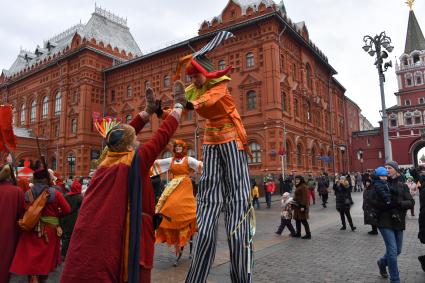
x=331 y=256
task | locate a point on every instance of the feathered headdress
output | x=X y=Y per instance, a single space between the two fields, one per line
x=105 y=124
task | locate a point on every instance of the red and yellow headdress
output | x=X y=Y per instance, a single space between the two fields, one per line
x=199 y=63
x=183 y=145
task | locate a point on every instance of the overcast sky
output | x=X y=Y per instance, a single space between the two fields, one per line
x=336 y=27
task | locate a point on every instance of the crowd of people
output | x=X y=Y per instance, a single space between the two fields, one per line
x=104 y=227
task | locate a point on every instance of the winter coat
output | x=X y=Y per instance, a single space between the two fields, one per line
x=343 y=197
x=401 y=196
x=254 y=192
x=369 y=203
x=301 y=197
x=323 y=185
x=270 y=187
x=421 y=220
x=286 y=212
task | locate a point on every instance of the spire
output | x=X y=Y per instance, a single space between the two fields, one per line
x=414 y=38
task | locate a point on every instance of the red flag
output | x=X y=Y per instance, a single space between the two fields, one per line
x=7 y=137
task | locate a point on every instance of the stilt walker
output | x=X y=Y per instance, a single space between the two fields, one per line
x=177 y=204
x=225 y=177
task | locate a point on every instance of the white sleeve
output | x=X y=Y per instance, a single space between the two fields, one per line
x=161 y=165
x=195 y=164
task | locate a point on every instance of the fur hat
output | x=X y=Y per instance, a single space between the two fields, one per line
x=286 y=195
x=119 y=137
x=5 y=172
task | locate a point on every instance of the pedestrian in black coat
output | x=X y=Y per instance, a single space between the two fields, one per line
x=344 y=201
x=369 y=203
x=421 y=234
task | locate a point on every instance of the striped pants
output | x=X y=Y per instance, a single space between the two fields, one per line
x=224 y=181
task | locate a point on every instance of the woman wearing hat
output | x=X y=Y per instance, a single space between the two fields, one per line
x=177 y=203
x=344 y=202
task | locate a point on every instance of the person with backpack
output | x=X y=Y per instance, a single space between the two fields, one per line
x=311 y=184
x=38 y=250
x=11 y=209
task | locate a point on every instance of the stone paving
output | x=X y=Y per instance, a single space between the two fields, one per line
x=331 y=256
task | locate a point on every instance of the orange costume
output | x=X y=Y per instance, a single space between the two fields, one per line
x=177 y=203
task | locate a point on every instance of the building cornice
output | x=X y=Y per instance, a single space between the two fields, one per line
x=237 y=26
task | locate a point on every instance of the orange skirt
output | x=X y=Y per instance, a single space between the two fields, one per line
x=180 y=208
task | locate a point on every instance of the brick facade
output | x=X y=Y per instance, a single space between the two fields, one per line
x=280 y=80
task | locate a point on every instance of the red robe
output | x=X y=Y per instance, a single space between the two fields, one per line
x=33 y=255
x=11 y=209
x=96 y=251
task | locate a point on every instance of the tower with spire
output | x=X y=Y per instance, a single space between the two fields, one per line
x=406 y=119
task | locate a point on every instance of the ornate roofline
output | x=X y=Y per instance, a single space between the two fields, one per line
x=110 y=16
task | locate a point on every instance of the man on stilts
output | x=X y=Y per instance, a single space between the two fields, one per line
x=225 y=178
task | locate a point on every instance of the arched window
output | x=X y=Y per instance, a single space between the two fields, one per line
x=249 y=60
x=58 y=103
x=284 y=102
x=147 y=84
x=256 y=153
x=299 y=155
x=416 y=58
x=74 y=125
x=221 y=65
x=71 y=163
x=418 y=78
x=167 y=154
x=23 y=114
x=251 y=100
x=309 y=76
x=418 y=117
x=288 y=152
x=308 y=112
x=167 y=81
x=33 y=111
x=296 y=112
x=408 y=79
x=313 y=157
x=45 y=109
x=408 y=118
x=128 y=118
x=129 y=91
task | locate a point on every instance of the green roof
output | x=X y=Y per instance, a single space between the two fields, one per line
x=414 y=39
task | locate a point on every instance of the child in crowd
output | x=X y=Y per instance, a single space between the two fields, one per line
x=383 y=191
x=286 y=215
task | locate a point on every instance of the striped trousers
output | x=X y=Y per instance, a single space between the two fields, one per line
x=224 y=181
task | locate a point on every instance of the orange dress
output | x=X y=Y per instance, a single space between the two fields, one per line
x=178 y=205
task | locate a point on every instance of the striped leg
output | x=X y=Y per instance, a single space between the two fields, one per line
x=237 y=193
x=209 y=203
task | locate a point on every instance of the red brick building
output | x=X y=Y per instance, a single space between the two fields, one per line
x=280 y=80
x=406 y=119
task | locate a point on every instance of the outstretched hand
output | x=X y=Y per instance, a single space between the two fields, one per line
x=150 y=101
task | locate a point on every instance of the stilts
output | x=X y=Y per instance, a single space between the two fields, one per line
x=179 y=256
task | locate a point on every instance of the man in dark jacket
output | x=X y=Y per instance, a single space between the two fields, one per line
x=392 y=231
x=322 y=188
x=421 y=234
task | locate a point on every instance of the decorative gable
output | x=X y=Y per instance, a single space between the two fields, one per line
x=127 y=108
x=250 y=80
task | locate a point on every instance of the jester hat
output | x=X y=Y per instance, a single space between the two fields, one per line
x=198 y=62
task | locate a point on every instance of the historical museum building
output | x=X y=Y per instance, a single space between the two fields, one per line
x=292 y=106
x=406 y=119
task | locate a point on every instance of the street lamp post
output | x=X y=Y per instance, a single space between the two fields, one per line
x=342 y=148
x=375 y=45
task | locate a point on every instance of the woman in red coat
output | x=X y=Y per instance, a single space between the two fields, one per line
x=11 y=209
x=38 y=251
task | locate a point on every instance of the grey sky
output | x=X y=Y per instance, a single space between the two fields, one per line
x=336 y=27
